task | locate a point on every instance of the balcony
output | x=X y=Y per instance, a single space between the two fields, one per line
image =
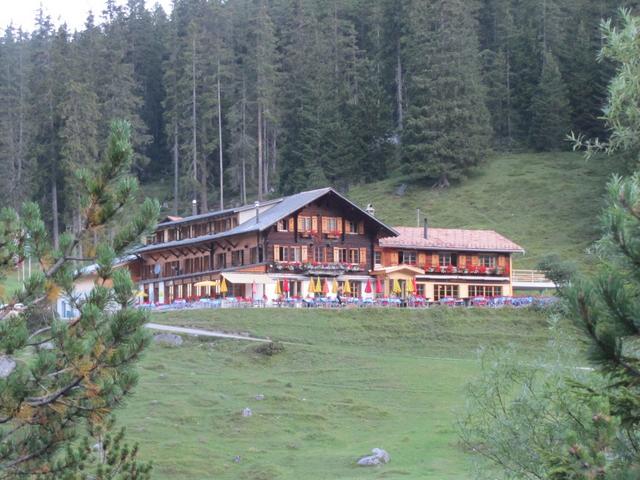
x=467 y=270
x=317 y=268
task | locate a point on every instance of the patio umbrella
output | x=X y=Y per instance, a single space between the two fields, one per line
x=223 y=286
x=410 y=287
x=396 y=287
x=285 y=286
x=347 y=286
x=334 y=286
x=325 y=287
x=312 y=286
x=141 y=294
x=318 y=286
x=368 y=288
x=379 y=288
x=278 y=289
x=254 y=289
x=414 y=285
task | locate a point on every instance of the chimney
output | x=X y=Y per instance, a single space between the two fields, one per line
x=257 y=205
x=370 y=210
x=194 y=207
x=425 y=229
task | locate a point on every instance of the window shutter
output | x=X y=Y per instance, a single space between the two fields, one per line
x=422 y=259
x=303 y=253
x=361 y=228
x=339 y=222
x=314 y=223
x=502 y=261
x=363 y=255
x=475 y=261
x=462 y=261
x=291 y=224
x=325 y=228
x=336 y=254
x=276 y=253
x=435 y=260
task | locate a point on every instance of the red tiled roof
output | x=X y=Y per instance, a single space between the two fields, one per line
x=451 y=239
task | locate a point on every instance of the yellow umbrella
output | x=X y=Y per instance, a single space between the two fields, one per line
x=206 y=283
x=334 y=286
x=318 y=286
x=278 y=289
x=223 y=286
x=347 y=287
x=409 y=287
x=141 y=294
x=312 y=286
x=396 y=287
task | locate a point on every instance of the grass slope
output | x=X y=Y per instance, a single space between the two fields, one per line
x=544 y=202
x=349 y=381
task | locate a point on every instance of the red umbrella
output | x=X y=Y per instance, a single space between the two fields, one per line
x=325 y=286
x=285 y=286
x=368 y=289
x=415 y=285
x=379 y=288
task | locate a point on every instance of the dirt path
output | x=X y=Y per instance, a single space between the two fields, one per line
x=202 y=333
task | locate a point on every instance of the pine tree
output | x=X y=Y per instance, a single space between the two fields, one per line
x=447 y=128
x=550 y=121
x=51 y=394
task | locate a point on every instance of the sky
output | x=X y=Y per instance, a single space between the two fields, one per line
x=74 y=12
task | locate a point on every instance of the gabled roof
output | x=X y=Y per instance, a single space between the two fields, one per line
x=174 y=221
x=451 y=239
x=281 y=208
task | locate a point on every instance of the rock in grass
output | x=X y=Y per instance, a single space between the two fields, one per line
x=169 y=339
x=260 y=397
x=7 y=365
x=379 y=457
x=247 y=412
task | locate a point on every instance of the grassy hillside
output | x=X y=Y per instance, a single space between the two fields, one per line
x=544 y=202
x=350 y=381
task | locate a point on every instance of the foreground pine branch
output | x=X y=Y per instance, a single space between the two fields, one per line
x=56 y=402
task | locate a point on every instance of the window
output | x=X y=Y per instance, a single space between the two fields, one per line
x=304 y=224
x=444 y=291
x=332 y=224
x=253 y=255
x=318 y=254
x=420 y=289
x=283 y=225
x=354 y=255
x=237 y=258
x=352 y=227
x=341 y=254
x=485 y=291
x=408 y=257
x=447 y=259
x=221 y=261
x=290 y=254
x=489 y=261
x=377 y=258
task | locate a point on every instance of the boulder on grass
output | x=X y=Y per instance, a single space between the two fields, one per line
x=169 y=339
x=247 y=412
x=379 y=457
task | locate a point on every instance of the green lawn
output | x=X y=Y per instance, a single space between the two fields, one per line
x=544 y=202
x=348 y=381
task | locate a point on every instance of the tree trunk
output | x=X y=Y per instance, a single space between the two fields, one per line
x=243 y=186
x=204 y=178
x=194 y=122
x=443 y=182
x=265 y=150
x=220 y=142
x=399 y=106
x=260 y=171
x=176 y=169
x=54 y=211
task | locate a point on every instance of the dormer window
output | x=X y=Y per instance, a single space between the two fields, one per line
x=283 y=225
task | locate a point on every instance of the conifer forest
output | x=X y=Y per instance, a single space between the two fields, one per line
x=236 y=100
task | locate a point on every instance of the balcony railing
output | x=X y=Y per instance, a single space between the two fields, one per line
x=466 y=270
x=317 y=268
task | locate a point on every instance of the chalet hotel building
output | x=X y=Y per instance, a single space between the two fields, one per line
x=318 y=234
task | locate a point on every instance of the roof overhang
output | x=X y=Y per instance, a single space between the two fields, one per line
x=397 y=269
